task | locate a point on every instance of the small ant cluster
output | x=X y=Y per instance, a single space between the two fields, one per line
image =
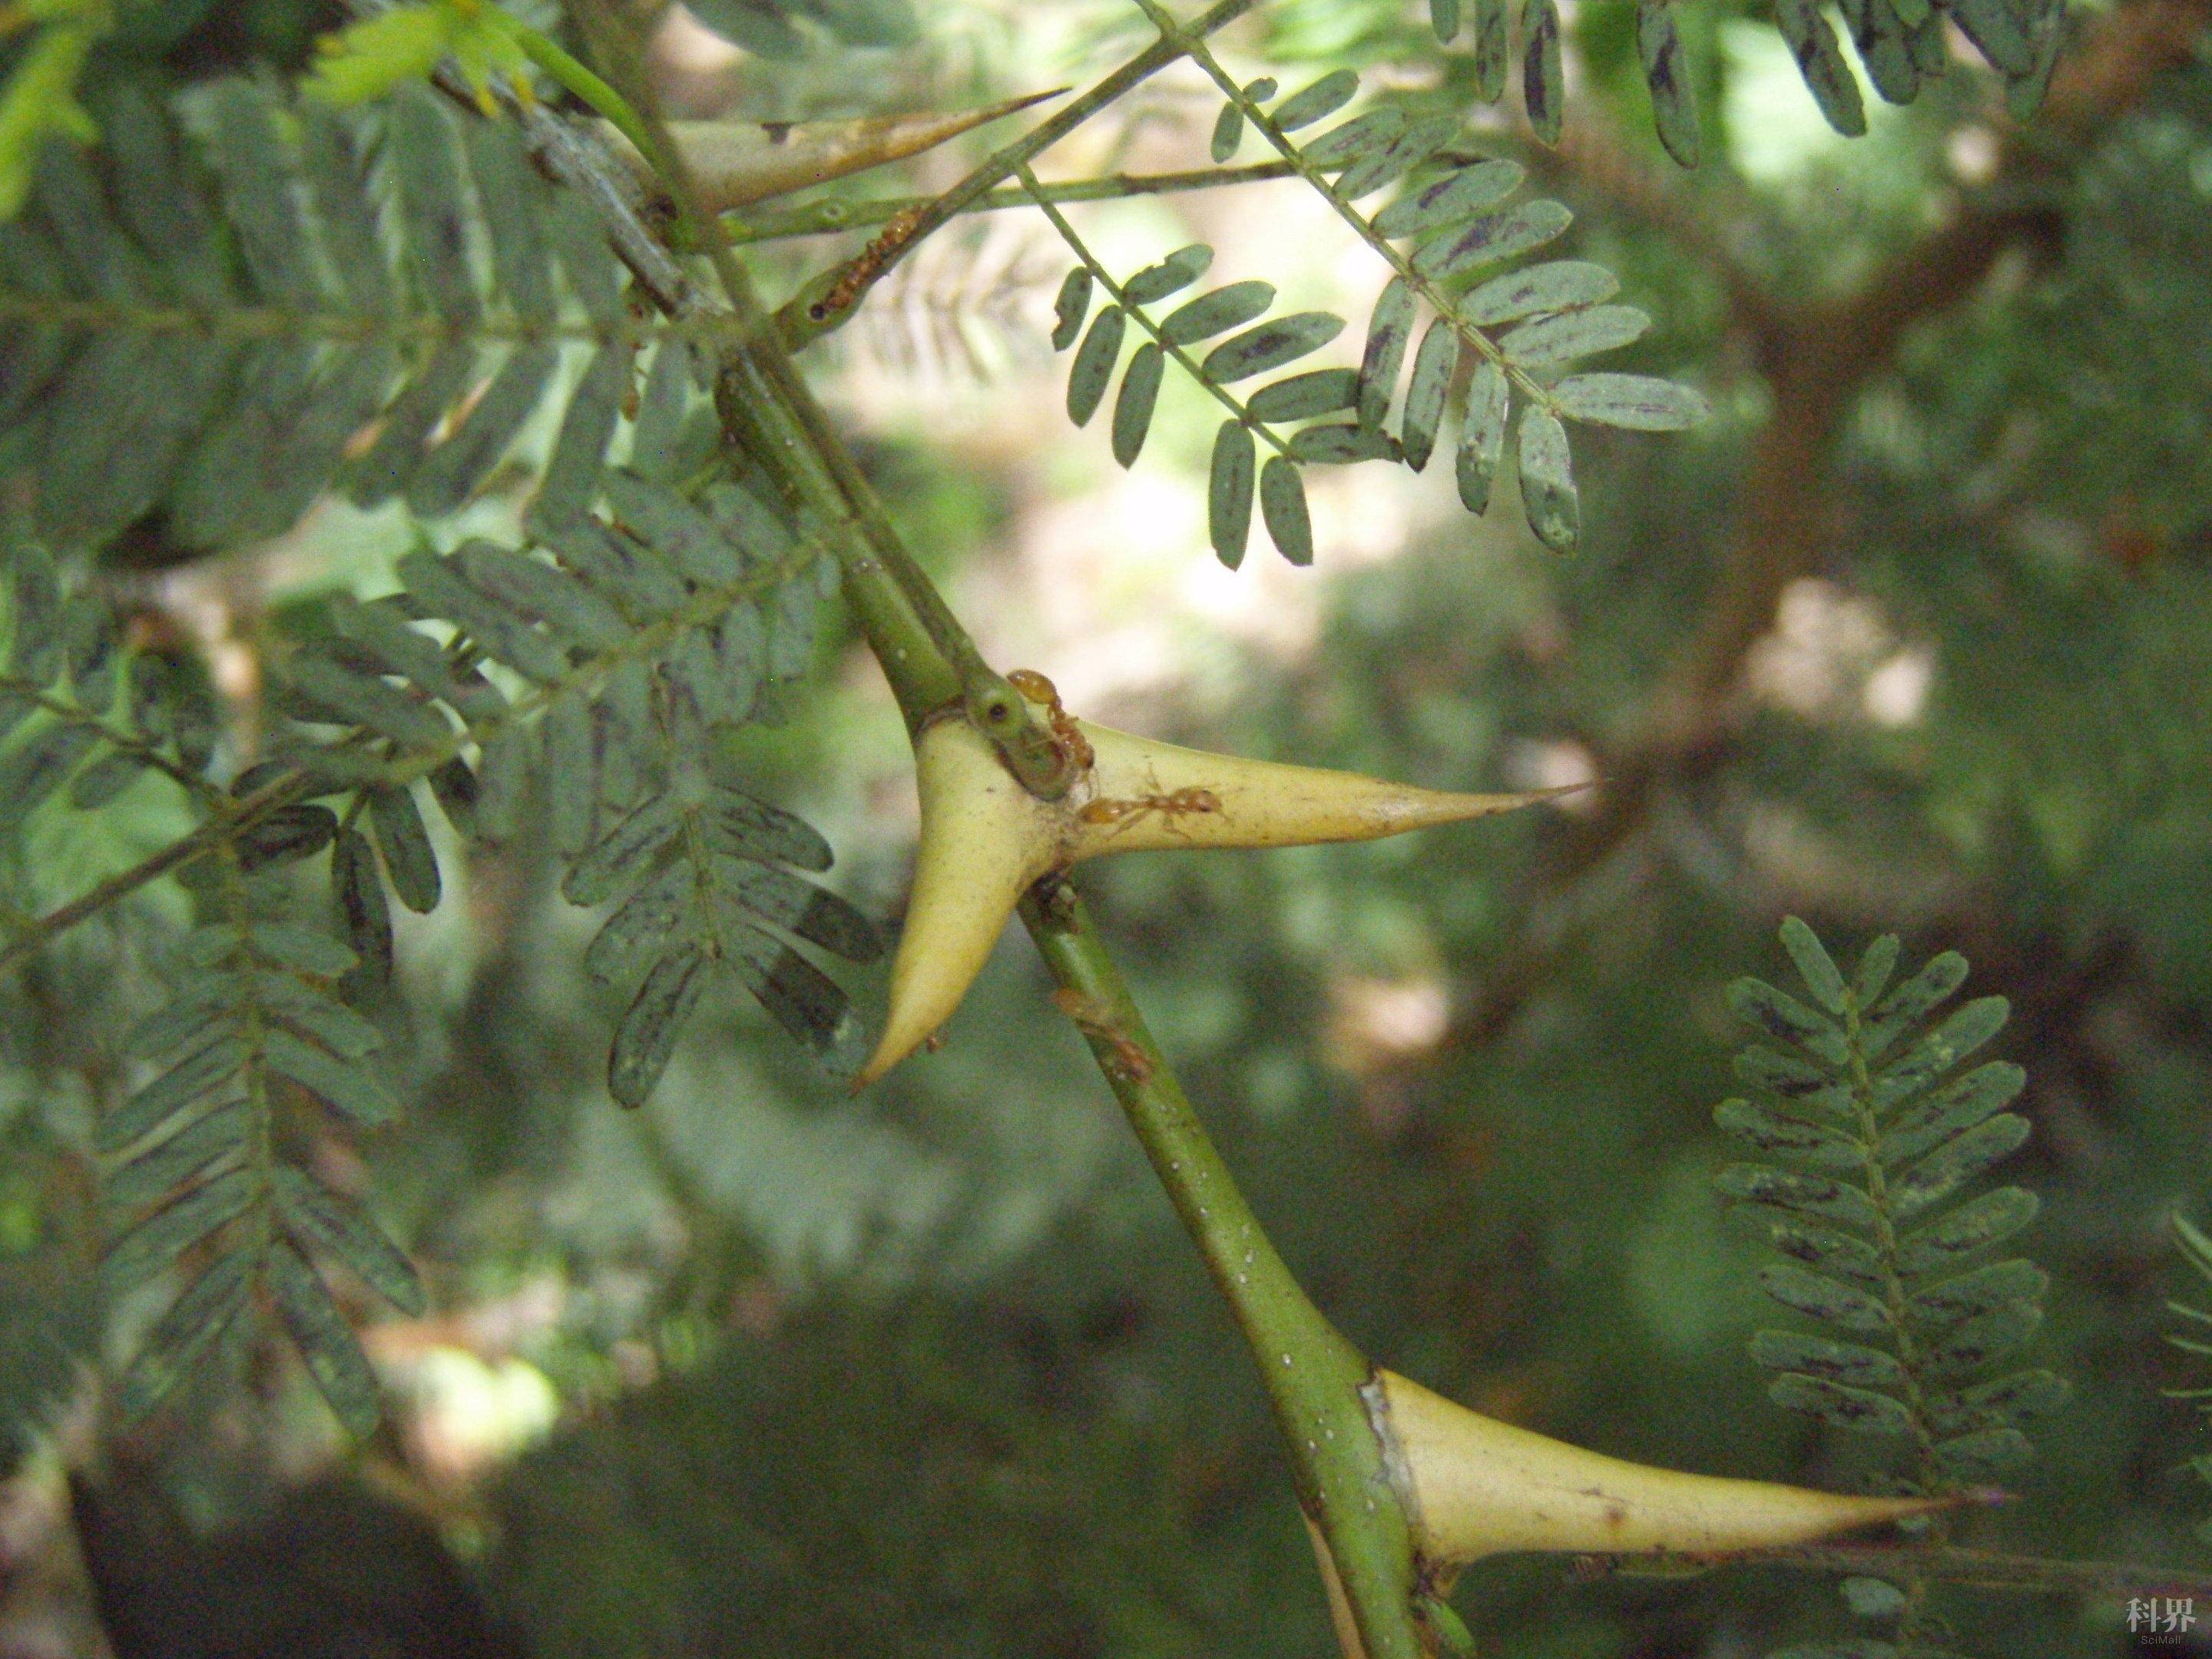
x=866 y=265
x=1043 y=693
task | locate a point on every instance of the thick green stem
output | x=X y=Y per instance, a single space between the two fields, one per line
x=1312 y=1375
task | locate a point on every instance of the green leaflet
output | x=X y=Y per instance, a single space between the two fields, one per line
x=1343 y=145
x=1216 y=312
x=1850 y=1363
x=349 y=1090
x=1339 y=442
x=1667 y=73
x=1389 y=329
x=1984 y=1341
x=1785 y=1018
x=1446 y=201
x=1170 y=275
x=1984 y=1454
x=1556 y=285
x=1443 y=18
x=1884 y=47
x=671 y=387
x=1809 y=1142
x=1861 y=1410
x=1758 y=1183
x=324 y=1341
x=406 y=847
x=1995 y=28
x=1433 y=367
x=1482 y=434
x=366 y=700
x=1493 y=48
x=1230 y=482
x=1073 y=304
x=1636 y=401
x=197 y=1075
x=1905 y=1007
x=1270 y=345
x=177 y=1346
x=1228 y=134
x=1323 y=98
x=1964 y=1296
x=1814 y=965
x=1550 y=340
x=359 y=903
x=765 y=894
x=645 y=1038
x=1951 y=1239
x=1094 y=364
x=1283 y=504
x=1488 y=240
x=625 y=854
x=1297 y=397
x=571 y=484
x=672 y=526
x=1826 y=1299
x=1543 y=83
x=1547 y=483
x=1944 y=1171
x=640 y=928
x=319 y=1218
x=1963 y=1034
x=1950 y=1110
x=312 y=1012
x=1408 y=150
x=1813 y=42
x=148 y=1249
x=2021 y=1396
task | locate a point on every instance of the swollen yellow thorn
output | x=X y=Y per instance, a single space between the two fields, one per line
x=985 y=839
x=1474 y=1487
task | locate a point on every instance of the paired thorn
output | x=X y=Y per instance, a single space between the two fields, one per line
x=985 y=838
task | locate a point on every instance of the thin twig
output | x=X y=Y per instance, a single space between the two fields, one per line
x=828 y=217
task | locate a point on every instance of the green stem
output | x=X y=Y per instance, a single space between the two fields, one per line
x=826 y=217
x=547 y=55
x=1313 y=1376
x=1104 y=278
x=1916 y=1584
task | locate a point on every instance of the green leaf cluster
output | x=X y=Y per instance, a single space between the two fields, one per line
x=195 y=334
x=1870 y=1130
x=1500 y=346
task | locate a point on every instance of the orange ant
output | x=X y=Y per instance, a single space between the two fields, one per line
x=1096 y=1021
x=1041 y=692
x=1168 y=806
